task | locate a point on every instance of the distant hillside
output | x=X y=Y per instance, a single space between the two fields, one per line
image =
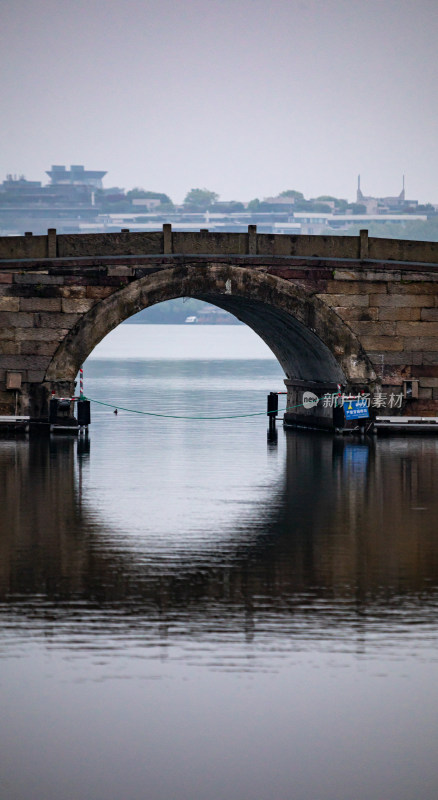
x=417 y=230
x=175 y=312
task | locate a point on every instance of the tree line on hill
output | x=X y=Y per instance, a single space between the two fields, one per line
x=202 y=200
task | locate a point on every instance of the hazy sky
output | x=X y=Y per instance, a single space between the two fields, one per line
x=245 y=97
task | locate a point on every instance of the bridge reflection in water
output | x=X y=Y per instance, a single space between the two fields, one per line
x=341 y=547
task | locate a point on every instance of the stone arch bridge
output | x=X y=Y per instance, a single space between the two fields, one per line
x=358 y=311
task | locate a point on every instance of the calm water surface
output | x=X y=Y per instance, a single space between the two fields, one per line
x=191 y=611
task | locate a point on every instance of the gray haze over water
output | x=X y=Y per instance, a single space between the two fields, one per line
x=244 y=97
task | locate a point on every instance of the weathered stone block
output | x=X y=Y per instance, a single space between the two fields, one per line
x=9 y=346
x=426 y=371
x=30 y=291
x=362 y=314
x=417 y=328
x=400 y=300
x=383 y=275
x=281 y=247
x=118 y=282
x=77 y=306
x=35 y=375
x=316 y=280
x=35 y=278
x=430 y=358
x=429 y=314
x=373 y=328
x=21 y=362
x=345 y=300
x=12 y=319
x=424 y=394
x=99 y=292
x=9 y=304
x=6 y=277
x=7 y=402
x=41 y=334
x=73 y=291
x=355 y=287
x=426 y=277
x=390 y=386
x=81 y=280
x=347 y=275
x=421 y=343
x=40 y=304
x=412 y=287
x=382 y=343
x=120 y=270
x=109 y=244
x=8 y=333
x=366 y=275
x=429 y=382
x=32 y=347
x=47 y=320
x=142 y=272
x=405 y=358
x=404 y=313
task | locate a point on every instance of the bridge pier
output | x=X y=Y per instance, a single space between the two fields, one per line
x=36 y=397
x=320 y=415
x=326 y=414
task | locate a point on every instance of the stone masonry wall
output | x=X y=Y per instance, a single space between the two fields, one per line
x=394 y=313
x=390 y=302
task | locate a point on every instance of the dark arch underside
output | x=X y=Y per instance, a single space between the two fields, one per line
x=300 y=352
x=308 y=338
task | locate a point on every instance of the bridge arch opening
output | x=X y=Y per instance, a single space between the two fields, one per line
x=310 y=341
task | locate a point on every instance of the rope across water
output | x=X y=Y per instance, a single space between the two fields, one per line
x=183 y=416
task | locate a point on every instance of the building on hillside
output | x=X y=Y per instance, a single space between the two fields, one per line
x=77 y=175
x=64 y=203
x=150 y=203
x=13 y=183
x=376 y=205
x=318 y=224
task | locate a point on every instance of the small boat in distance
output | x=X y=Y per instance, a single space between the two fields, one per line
x=211 y=315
